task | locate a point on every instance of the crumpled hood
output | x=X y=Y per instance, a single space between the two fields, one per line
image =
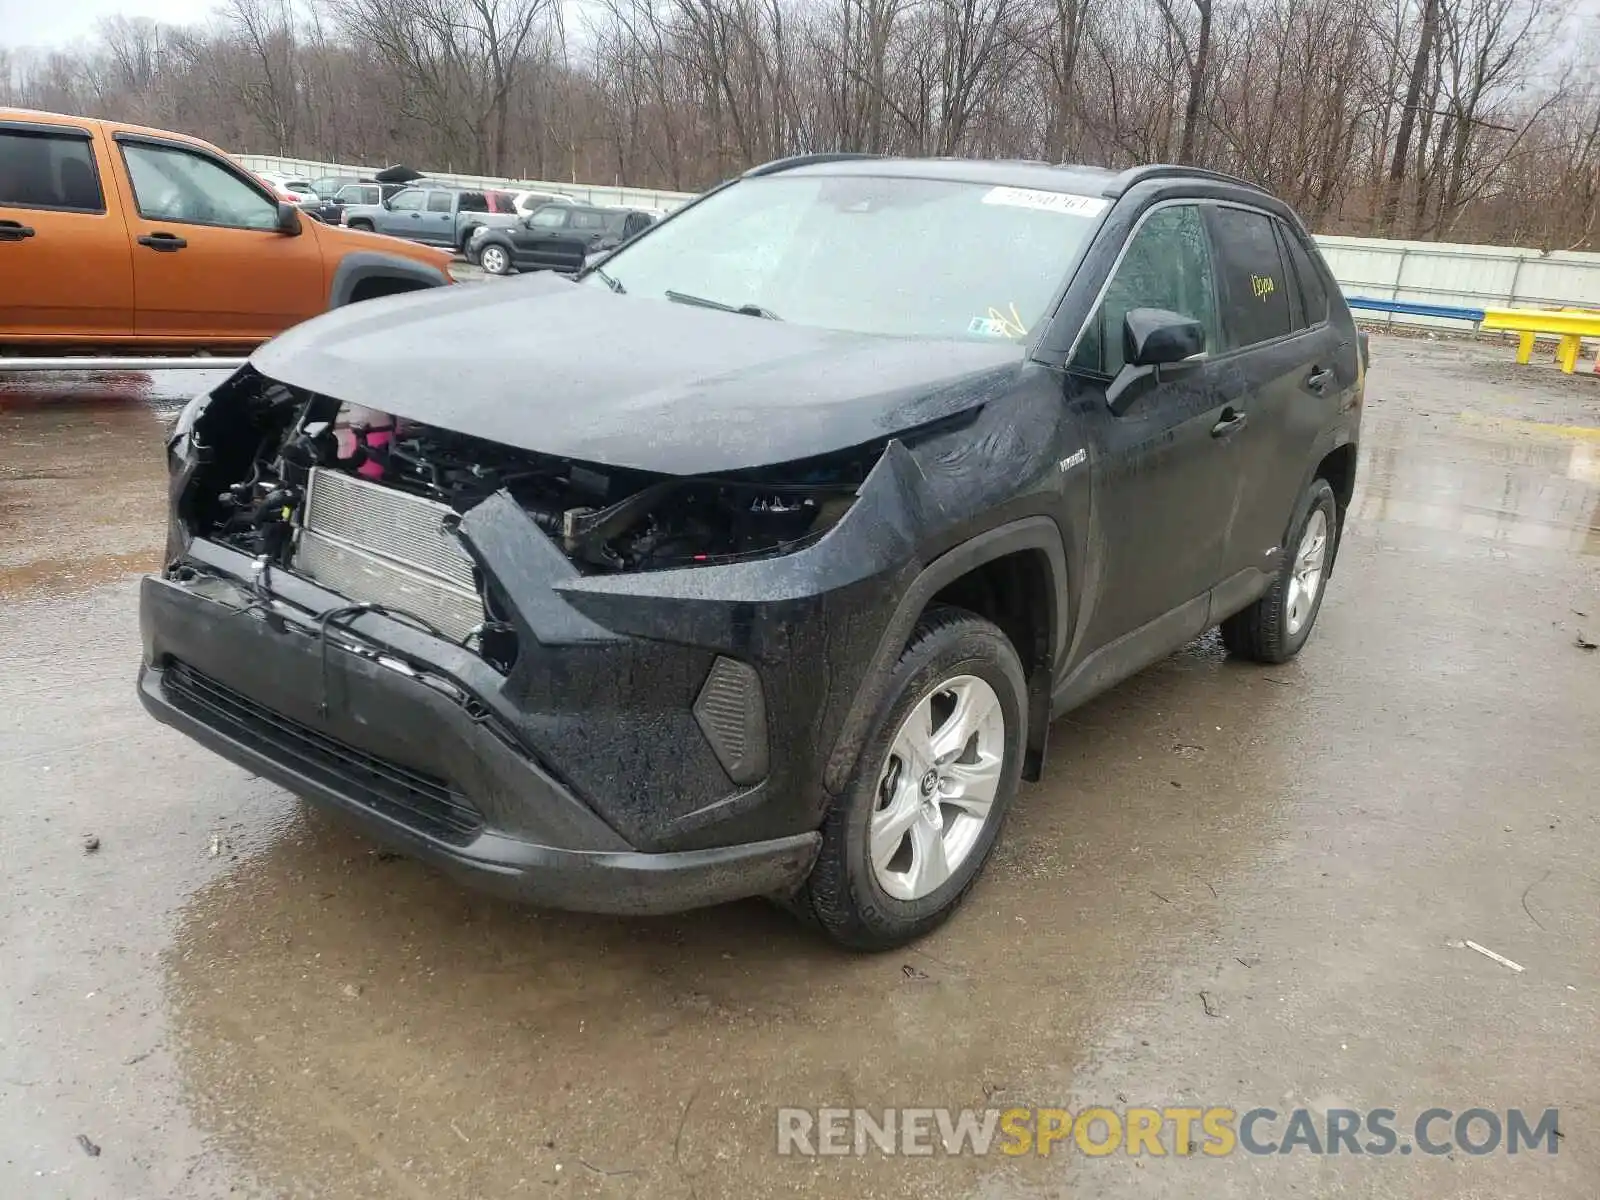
x=544 y=364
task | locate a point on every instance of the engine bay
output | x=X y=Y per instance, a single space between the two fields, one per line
x=262 y=449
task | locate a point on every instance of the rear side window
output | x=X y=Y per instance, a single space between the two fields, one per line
x=440 y=202
x=1255 y=286
x=42 y=170
x=1313 y=292
x=1167 y=264
x=586 y=219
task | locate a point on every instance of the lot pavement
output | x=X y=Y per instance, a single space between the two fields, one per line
x=1237 y=886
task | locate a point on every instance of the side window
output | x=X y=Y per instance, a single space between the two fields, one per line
x=548 y=218
x=372 y=195
x=470 y=202
x=41 y=170
x=1167 y=265
x=177 y=185
x=408 y=201
x=1255 y=286
x=585 y=219
x=439 y=202
x=1313 y=291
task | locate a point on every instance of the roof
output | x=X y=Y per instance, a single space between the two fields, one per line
x=37 y=117
x=1089 y=181
x=1022 y=173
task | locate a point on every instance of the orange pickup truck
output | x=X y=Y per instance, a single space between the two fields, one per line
x=113 y=235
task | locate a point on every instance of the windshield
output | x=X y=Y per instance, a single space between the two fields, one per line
x=870 y=254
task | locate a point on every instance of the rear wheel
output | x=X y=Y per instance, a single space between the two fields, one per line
x=904 y=843
x=466 y=239
x=358 y=223
x=1275 y=627
x=494 y=259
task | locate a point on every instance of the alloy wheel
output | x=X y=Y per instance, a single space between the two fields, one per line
x=937 y=787
x=1305 y=580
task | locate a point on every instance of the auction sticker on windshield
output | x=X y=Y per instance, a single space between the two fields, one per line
x=1061 y=202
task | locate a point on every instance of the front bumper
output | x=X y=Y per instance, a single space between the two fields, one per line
x=413 y=764
x=590 y=773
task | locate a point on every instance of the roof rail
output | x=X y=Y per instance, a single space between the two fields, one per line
x=1135 y=175
x=803 y=160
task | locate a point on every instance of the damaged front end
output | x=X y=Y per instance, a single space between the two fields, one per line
x=592 y=686
x=373 y=506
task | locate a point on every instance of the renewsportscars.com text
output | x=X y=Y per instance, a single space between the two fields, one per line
x=1158 y=1132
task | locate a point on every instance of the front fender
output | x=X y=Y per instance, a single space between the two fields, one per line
x=1037 y=533
x=363 y=265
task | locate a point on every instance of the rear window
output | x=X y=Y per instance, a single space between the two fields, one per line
x=1255 y=286
x=1313 y=292
x=42 y=170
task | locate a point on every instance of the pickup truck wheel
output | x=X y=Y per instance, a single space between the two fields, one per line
x=465 y=239
x=1273 y=629
x=921 y=813
x=360 y=224
x=494 y=260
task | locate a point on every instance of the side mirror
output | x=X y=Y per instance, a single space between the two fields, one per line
x=288 y=219
x=1155 y=343
x=1155 y=337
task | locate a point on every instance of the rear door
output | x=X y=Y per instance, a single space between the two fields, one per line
x=1164 y=469
x=1278 y=337
x=65 y=270
x=208 y=260
x=584 y=229
x=439 y=218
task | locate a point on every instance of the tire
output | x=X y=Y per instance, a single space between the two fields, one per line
x=1275 y=627
x=465 y=240
x=365 y=226
x=954 y=657
x=494 y=260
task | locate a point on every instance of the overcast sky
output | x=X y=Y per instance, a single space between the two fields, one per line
x=61 y=22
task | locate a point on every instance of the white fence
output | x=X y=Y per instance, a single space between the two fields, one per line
x=588 y=193
x=1440 y=273
x=1461 y=276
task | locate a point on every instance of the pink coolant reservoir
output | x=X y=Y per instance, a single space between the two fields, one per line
x=363 y=436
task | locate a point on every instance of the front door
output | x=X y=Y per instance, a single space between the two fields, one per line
x=1164 y=470
x=403 y=216
x=209 y=263
x=538 y=239
x=64 y=269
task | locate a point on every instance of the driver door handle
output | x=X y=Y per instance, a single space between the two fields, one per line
x=166 y=242
x=1319 y=379
x=1232 y=420
x=14 y=231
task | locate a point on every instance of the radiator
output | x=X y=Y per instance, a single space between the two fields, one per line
x=377 y=545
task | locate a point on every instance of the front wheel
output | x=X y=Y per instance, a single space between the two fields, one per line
x=1275 y=627
x=494 y=260
x=924 y=807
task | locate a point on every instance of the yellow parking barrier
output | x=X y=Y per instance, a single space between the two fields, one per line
x=1571 y=325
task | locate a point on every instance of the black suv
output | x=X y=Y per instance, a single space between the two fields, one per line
x=555 y=237
x=757 y=560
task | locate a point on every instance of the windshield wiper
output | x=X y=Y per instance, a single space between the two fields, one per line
x=611 y=283
x=748 y=310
